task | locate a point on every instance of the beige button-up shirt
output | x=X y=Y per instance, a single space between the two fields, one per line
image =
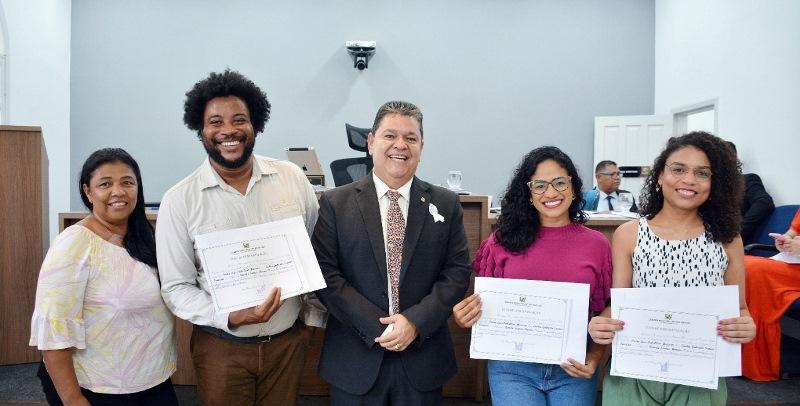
x=202 y=203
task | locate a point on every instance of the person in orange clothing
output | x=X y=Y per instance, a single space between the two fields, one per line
x=772 y=286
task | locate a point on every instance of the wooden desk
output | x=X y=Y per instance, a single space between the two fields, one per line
x=605 y=223
x=470 y=381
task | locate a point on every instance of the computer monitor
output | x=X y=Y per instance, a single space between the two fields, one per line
x=306 y=159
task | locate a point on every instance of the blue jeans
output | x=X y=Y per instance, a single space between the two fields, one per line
x=527 y=383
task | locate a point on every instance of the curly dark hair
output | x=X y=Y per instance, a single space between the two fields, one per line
x=518 y=224
x=139 y=239
x=228 y=83
x=720 y=213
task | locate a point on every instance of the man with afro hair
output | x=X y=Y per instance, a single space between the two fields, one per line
x=252 y=356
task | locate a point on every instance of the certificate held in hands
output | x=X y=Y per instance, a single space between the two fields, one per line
x=531 y=321
x=670 y=334
x=243 y=264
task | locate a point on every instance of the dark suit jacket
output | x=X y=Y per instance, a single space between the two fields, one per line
x=348 y=242
x=591 y=198
x=756 y=207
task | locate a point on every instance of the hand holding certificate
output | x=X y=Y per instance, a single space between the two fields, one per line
x=531 y=321
x=241 y=266
x=670 y=334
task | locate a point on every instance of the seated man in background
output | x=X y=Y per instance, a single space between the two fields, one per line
x=604 y=196
x=757 y=204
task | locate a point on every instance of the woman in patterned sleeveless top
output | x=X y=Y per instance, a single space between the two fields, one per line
x=688 y=236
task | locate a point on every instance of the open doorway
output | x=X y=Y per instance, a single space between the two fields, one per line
x=696 y=117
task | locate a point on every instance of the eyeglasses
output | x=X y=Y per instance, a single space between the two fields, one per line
x=612 y=174
x=560 y=184
x=679 y=171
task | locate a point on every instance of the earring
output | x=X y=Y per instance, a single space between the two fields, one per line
x=658 y=187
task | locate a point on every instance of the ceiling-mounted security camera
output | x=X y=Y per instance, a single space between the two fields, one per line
x=361 y=52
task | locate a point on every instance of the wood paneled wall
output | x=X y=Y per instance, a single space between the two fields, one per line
x=23 y=236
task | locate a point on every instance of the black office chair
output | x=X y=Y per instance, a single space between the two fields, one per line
x=349 y=170
x=357 y=137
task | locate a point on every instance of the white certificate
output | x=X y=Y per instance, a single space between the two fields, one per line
x=242 y=265
x=670 y=334
x=531 y=321
x=788 y=258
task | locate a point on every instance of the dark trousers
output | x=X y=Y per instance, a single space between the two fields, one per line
x=391 y=388
x=161 y=394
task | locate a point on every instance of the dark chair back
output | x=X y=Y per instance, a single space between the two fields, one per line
x=357 y=137
x=349 y=170
x=778 y=222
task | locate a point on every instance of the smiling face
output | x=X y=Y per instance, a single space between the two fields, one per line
x=552 y=205
x=227 y=134
x=396 y=147
x=685 y=192
x=112 y=191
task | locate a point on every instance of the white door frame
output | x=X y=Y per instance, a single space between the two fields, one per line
x=680 y=115
x=630 y=141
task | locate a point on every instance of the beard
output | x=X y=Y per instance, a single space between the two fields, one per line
x=217 y=157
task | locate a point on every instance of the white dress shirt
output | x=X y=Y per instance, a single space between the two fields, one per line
x=202 y=203
x=602 y=203
x=383 y=202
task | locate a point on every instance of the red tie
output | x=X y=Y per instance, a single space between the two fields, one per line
x=395 y=233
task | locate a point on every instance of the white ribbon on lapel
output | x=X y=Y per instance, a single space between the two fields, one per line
x=434 y=211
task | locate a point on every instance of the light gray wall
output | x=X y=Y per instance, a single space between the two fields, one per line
x=38 y=41
x=745 y=54
x=494 y=79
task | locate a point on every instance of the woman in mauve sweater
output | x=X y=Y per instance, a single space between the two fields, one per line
x=540 y=236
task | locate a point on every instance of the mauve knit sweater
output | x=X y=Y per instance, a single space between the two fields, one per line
x=572 y=253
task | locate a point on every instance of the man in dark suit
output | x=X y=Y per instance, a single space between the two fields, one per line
x=757 y=204
x=604 y=196
x=394 y=255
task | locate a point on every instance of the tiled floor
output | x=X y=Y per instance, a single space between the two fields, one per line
x=20 y=387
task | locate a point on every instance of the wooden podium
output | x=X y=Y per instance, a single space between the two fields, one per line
x=23 y=236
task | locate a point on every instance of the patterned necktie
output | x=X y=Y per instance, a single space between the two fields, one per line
x=610 y=207
x=395 y=233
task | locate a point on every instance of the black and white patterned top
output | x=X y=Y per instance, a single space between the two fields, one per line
x=674 y=263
